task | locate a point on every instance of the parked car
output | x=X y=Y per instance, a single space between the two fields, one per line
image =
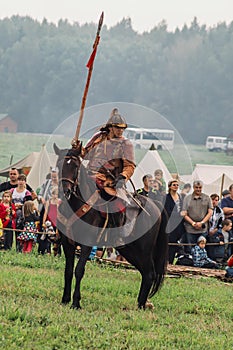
x=216 y=143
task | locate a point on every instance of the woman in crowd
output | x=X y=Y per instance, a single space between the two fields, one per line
x=175 y=228
x=215 y=223
x=50 y=214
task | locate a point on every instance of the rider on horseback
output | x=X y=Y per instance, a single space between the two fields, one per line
x=111 y=161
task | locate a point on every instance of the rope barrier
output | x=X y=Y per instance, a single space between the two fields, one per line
x=209 y=244
x=19 y=230
x=170 y=244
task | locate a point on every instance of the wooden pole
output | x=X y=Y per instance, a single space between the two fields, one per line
x=222 y=184
x=89 y=65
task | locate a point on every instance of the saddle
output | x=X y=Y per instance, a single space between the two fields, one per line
x=118 y=227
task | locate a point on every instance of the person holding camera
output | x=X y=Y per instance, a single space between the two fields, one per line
x=197 y=210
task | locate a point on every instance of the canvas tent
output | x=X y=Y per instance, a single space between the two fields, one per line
x=36 y=166
x=149 y=163
x=215 y=178
x=40 y=168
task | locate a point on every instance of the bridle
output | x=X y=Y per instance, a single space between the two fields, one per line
x=73 y=181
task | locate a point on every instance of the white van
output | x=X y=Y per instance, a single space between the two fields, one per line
x=162 y=139
x=216 y=143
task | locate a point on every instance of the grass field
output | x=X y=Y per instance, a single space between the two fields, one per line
x=190 y=313
x=180 y=159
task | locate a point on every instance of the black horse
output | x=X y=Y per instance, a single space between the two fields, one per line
x=79 y=220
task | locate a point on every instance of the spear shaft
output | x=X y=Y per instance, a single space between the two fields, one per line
x=89 y=65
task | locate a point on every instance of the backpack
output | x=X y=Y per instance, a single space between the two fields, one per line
x=229 y=272
x=185 y=259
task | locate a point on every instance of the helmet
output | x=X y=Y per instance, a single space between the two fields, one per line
x=116 y=119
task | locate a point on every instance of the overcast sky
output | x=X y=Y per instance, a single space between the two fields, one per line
x=144 y=14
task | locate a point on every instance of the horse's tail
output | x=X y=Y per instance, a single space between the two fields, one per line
x=160 y=255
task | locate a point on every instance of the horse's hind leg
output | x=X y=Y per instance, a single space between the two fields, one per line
x=69 y=251
x=79 y=272
x=146 y=284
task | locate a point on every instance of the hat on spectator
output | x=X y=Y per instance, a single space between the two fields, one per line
x=201 y=239
x=54 y=170
x=225 y=192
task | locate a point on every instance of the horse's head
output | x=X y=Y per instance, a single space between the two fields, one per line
x=68 y=164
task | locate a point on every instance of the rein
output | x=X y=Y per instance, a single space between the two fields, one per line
x=75 y=183
x=71 y=181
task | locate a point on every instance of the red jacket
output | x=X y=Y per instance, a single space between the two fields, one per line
x=4 y=216
x=230 y=261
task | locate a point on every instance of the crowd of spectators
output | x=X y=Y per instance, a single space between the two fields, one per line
x=26 y=213
x=193 y=214
x=198 y=225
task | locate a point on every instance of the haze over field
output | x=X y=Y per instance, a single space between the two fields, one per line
x=144 y=14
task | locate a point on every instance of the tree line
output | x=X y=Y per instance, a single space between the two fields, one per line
x=185 y=75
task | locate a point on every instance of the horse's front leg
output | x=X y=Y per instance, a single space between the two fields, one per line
x=69 y=251
x=79 y=272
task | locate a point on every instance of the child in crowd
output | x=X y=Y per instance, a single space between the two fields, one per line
x=158 y=174
x=225 y=235
x=50 y=213
x=200 y=257
x=28 y=236
x=8 y=217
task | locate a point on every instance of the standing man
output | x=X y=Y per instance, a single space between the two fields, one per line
x=13 y=183
x=147 y=181
x=44 y=195
x=148 y=190
x=185 y=190
x=227 y=204
x=197 y=210
x=45 y=192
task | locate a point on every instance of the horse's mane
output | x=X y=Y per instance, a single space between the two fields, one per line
x=73 y=152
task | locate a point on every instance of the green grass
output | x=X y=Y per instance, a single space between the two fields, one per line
x=190 y=313
x=183 y=159
x=17 y=146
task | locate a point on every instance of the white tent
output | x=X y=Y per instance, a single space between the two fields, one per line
x=217 y=186
x=150 y=162
x=23 y=165
x=210 y=173
x=215 y=178
x=35 y=165
x=40 y=168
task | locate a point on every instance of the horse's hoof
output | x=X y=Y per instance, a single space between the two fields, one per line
x=149 y=305
x=75 y=307
x=65 y=302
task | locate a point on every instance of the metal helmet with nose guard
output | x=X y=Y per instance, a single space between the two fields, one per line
x=116 y=120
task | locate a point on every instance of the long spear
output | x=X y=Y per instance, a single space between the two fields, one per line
x=89 y=65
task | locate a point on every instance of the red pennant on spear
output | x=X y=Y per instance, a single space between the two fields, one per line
x=89 y=65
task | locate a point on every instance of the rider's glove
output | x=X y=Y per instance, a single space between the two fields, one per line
x=120 y=181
